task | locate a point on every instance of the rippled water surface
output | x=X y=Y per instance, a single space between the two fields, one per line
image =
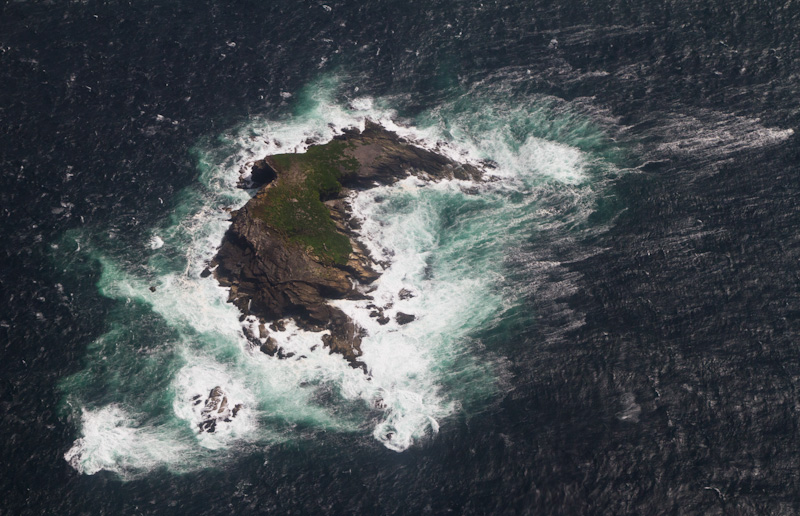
x=606 y=324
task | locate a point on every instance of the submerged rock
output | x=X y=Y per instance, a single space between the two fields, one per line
x=405 y=294
x=290 y=249
x=215 y=410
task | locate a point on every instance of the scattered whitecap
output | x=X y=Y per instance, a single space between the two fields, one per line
x=630 y=409
x=114 y=440
x=156 y=242
x=362 y=103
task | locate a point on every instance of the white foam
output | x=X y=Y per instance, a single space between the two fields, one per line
x=442 y=244
x=113 y=440
x=403 y=225
x=192 y=385
x=156 y=242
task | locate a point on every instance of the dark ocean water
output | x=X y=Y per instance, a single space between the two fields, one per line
x=649 y=363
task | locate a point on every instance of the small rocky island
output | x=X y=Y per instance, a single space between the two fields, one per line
x=292 y=247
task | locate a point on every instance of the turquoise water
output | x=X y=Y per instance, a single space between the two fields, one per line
x=449 y=243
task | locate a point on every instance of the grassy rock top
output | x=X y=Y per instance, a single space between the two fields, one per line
x=293 y=203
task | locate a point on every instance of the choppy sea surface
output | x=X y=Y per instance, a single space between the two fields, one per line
x=608 y=324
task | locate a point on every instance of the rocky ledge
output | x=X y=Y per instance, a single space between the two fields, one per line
x=292 y=248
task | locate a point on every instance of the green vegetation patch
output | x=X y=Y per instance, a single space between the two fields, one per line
x=294 y=204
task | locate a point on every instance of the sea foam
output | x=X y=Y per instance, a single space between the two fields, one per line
x=442 y=246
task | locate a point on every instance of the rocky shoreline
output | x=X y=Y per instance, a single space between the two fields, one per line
x=293 y=246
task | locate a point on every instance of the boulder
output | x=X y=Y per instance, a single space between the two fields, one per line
x=270 y=347
x=403 y=318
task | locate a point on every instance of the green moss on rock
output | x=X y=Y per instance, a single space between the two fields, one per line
x=294 y=205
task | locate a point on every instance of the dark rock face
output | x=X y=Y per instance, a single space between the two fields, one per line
x=271 y=277
x=403 y=318
x=405 y=294
x=262 y=173
x=385 y=158
x=251 y=336
x=270 y=347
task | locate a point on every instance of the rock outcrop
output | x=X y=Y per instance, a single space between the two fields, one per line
x=216 y=410
x=403 y=318
x=291 y=248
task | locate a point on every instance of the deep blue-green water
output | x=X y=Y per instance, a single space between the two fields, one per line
x=607 y=325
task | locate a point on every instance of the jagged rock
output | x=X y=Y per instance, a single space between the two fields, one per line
x=405 y=294
x=359 y=265
x=386 y=158
x=251 y=336
x=378 y=314
x=215 y=410
x=214 y=395
x=402 y=318
x=152 y=289
x=262 y=331
x=206 y=273
x=271 y=275
x=278 y=325
x=283 y=355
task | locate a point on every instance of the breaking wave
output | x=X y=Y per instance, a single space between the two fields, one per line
x=175 y=362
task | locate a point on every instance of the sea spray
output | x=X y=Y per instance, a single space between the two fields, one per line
x=443 y=246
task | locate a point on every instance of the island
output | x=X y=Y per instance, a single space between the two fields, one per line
x=293 y=246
